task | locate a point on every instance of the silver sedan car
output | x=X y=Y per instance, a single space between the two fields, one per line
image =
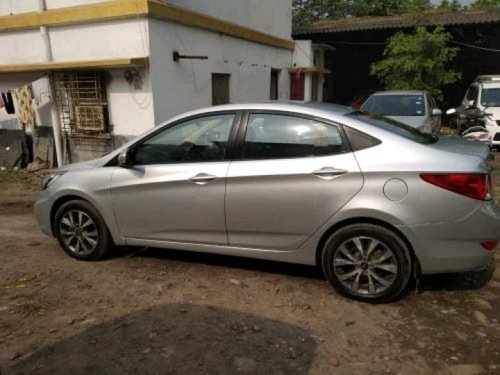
x=411 y=107
x=369 y=200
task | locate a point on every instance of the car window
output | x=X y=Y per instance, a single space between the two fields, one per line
x=270 y=136
x=396 y=105
x=393 y=126
x=472 y=93
x=197 y=140
x=490 y=97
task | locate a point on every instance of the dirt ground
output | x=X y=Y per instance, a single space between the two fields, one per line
x=152 y=311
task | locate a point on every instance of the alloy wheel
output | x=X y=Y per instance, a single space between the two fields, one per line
x=78 y=232
x=365 y=265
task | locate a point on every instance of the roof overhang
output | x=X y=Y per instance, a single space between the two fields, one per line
x=120 y=9
x=74 y=65
x=312 y=70
x=359 y=24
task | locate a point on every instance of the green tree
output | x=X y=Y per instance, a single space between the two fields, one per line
x=417 y=61
x=487 y=5
x=307 y=11
x=450 y=5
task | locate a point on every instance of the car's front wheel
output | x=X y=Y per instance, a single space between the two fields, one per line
x=367 y=262
x=81 y=231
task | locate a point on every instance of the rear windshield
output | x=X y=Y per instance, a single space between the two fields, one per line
x=396 y=105
x=490 y=97
x=394 y=127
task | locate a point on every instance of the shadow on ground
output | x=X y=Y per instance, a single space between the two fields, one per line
x=177 y=339
x=457 y=281
x=427 y=283
x=225 y=261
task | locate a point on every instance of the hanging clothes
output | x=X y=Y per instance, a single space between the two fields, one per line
x=8 y=102
x=24 y=99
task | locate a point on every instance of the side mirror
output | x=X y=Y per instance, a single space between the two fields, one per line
x=436 y=112
x=124 y=158
x=450 y=111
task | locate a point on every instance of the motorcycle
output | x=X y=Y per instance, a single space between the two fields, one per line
x=471 y=124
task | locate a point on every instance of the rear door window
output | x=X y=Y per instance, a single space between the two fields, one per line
x=272 y=136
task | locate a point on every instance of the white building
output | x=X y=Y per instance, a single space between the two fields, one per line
x=118 y=68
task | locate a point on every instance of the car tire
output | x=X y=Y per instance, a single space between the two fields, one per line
x=81 y=231
x=367 y=262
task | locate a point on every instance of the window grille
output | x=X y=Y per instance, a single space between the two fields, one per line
x=81 y=102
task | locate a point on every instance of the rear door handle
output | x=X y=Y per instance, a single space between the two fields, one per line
x=202 y=178
x=328 y=173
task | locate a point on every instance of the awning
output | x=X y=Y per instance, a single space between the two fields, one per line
x=93 y=64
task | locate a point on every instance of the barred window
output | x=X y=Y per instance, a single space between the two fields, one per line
x=81 y=101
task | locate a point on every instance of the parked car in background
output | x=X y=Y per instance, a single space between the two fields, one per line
x=417 y=109
x=369 y=200
x=483 y=95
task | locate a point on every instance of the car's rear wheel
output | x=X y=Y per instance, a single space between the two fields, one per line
x=367 y=262
x=81 y=231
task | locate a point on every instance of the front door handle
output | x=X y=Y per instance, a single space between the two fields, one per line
x=202 y=178
x=329 y=173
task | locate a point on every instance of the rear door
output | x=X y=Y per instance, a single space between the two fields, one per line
x=293 y=175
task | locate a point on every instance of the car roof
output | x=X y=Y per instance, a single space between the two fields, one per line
x=306 y=108
x=400 y=92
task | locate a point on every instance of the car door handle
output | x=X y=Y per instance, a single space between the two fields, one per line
x=328 y=173
x=202 y=178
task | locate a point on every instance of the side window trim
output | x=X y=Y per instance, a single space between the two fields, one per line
x=240 y=139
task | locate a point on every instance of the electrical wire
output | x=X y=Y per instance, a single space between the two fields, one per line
x=475 y=47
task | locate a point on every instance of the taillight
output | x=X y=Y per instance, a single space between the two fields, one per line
x=489 y=245
x=472 y=185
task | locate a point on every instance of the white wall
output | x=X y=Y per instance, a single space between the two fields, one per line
x=101 y=40
x=130 y=109
x=303 y=54
x=8 y=7
x=186 y=85
x=269 y=16
x=95 y=41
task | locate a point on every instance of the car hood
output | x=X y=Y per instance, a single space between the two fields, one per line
x=462 y=146
x=413 y=121
x=81 y=165
x=494 y=111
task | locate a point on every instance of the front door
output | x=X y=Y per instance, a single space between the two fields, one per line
x=295 y=174
x=175 y=189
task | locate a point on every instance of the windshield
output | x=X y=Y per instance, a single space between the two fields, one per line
x=396 y=105
x=490 y=97
x=394 y=127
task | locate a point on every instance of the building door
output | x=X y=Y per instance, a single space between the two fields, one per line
x=297 y=86
x=275 y=73
x=220 y=89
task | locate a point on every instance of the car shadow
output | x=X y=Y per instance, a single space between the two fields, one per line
x=425 y=283
x=457 y=281
x=177 y=339
x=267 y=266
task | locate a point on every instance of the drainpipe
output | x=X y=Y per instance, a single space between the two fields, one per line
x=56 y=127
